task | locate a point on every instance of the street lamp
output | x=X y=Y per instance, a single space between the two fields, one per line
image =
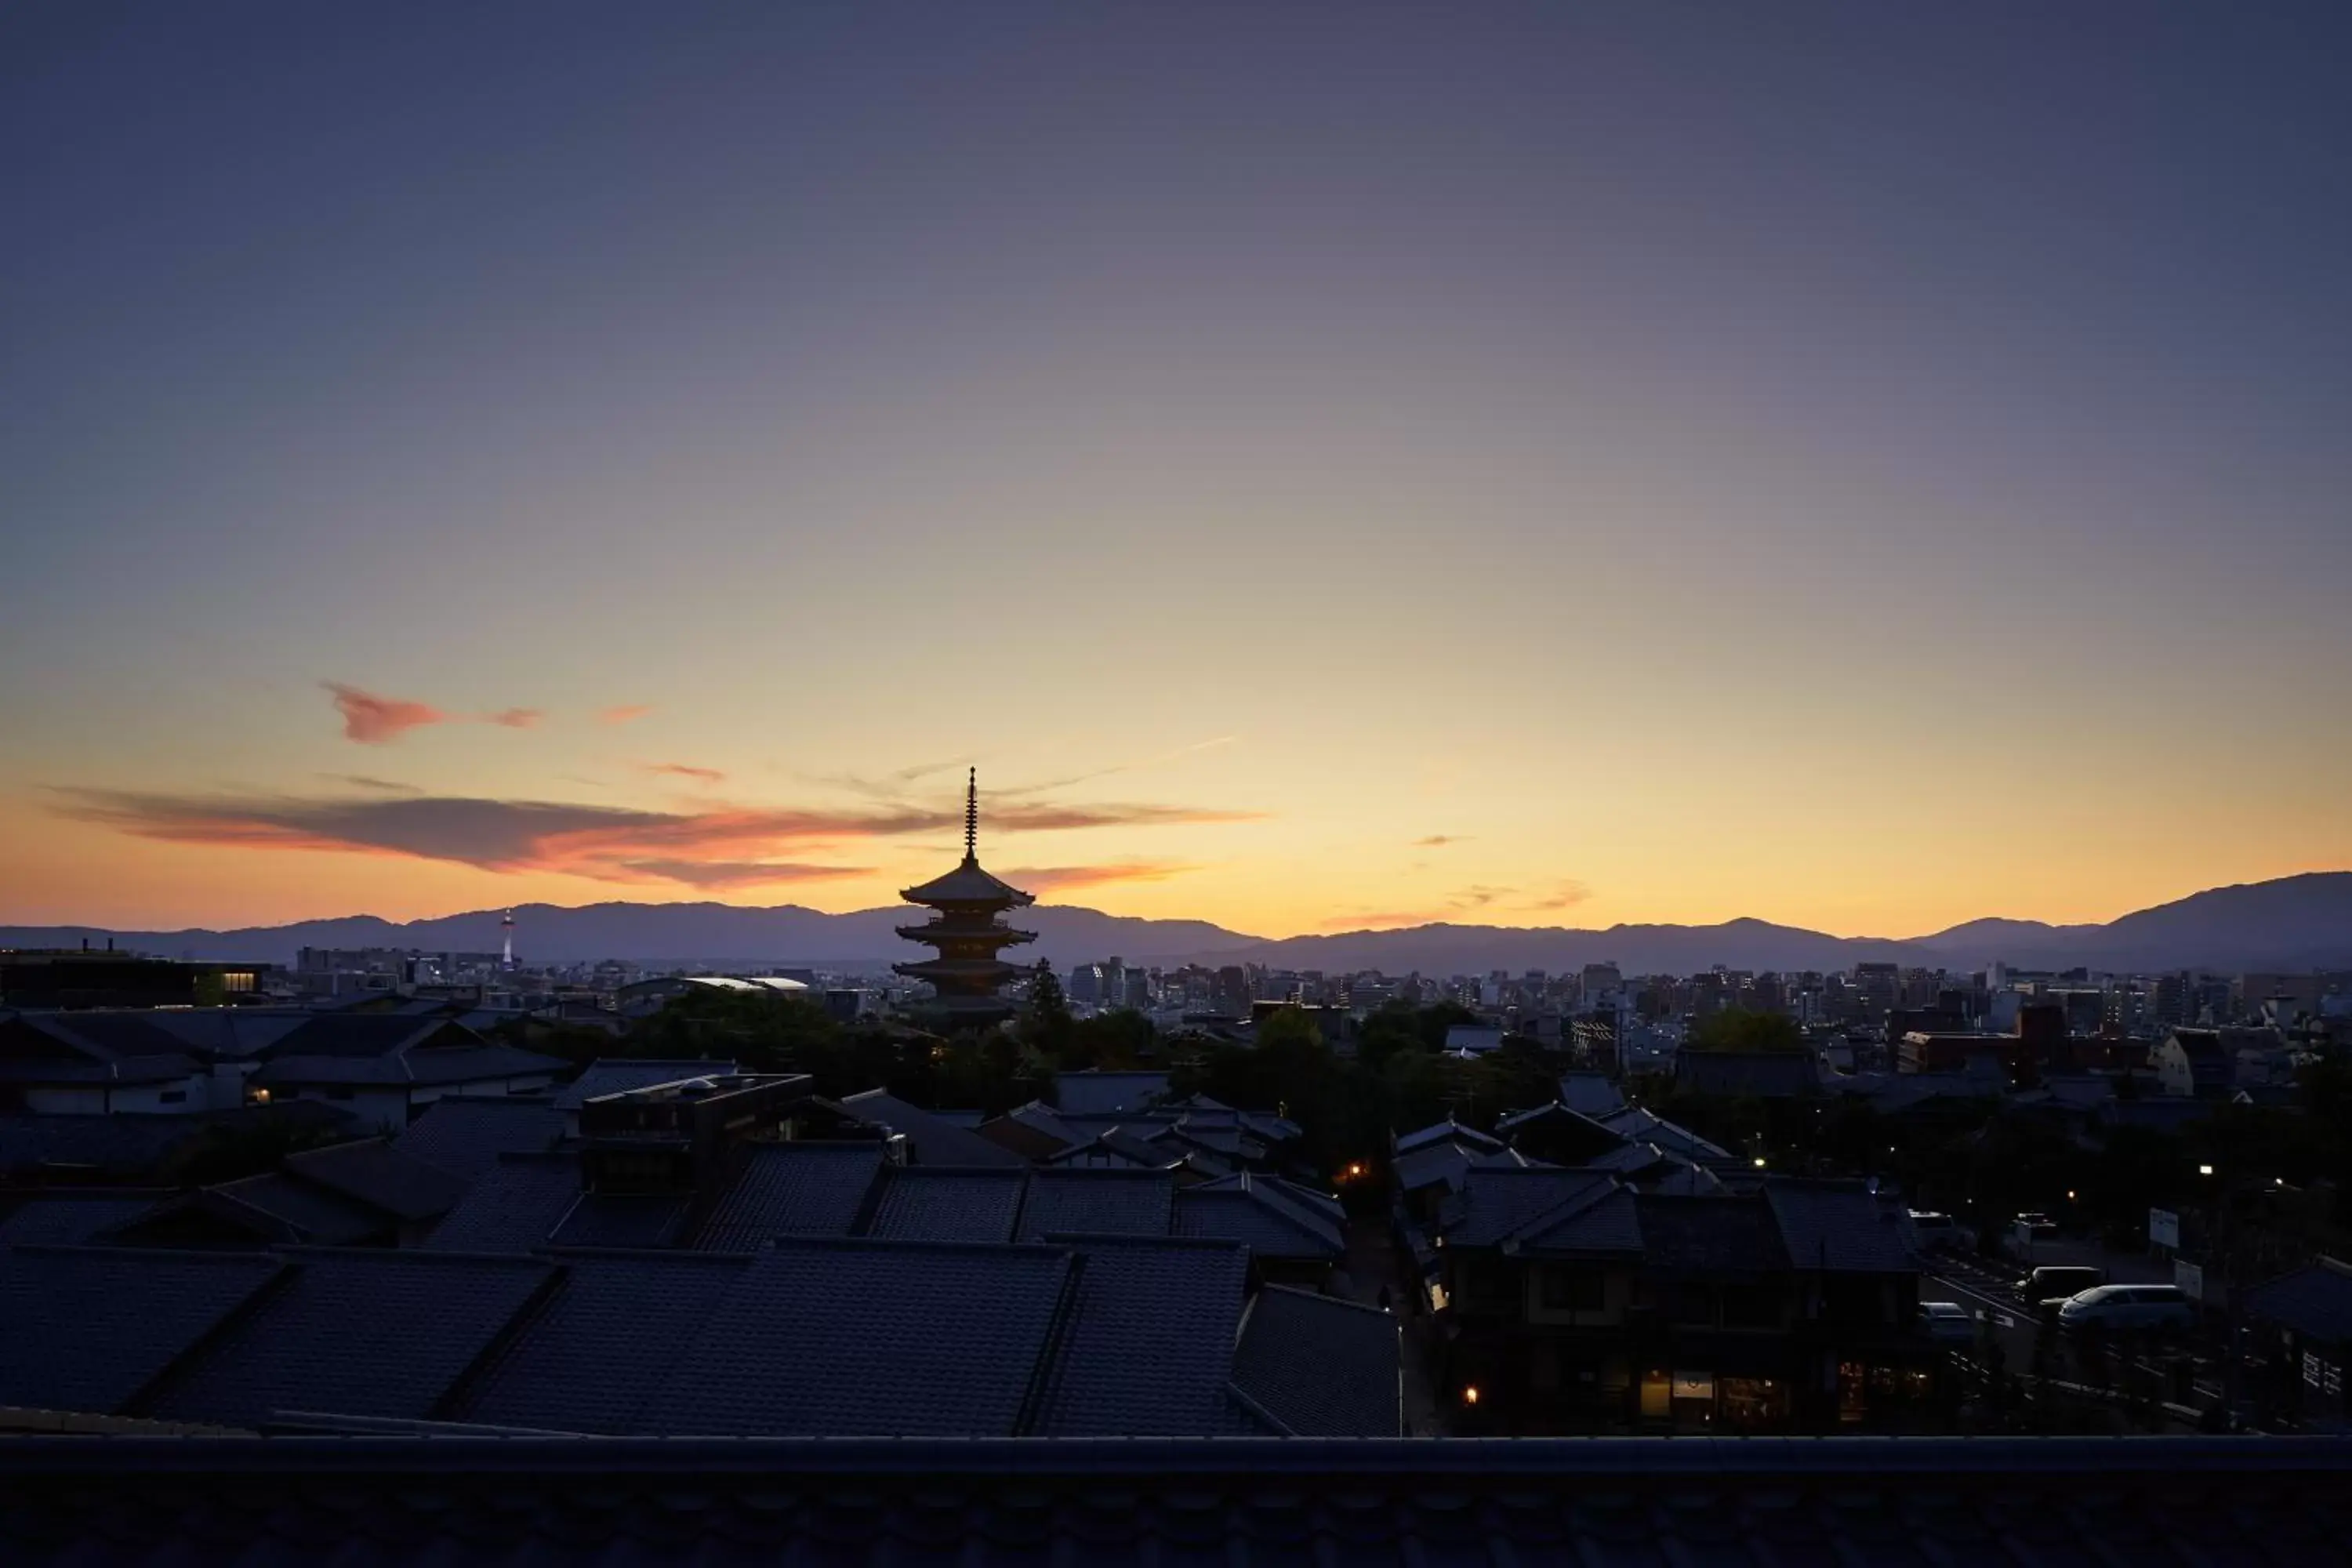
x=2204 y=1170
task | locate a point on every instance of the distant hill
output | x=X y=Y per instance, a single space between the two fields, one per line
x=2295 y=922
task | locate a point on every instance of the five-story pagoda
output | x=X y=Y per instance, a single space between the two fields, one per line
x=967 y=933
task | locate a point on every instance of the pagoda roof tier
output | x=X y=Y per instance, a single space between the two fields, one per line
x=967 y=884
x=932 y=931
x=994 y=971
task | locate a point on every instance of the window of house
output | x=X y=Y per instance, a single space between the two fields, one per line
x=1574 y=1289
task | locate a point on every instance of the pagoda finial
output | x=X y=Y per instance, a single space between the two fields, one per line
x=972 y=817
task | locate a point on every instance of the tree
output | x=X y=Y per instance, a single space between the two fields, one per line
x=1742 y=1029
x=1046 y=1023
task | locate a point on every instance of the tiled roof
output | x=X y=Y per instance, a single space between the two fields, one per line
x=438 y=1065
x=1320 y=1366
x=929 y=1141
x=1710 y=1238
x=465 y=1135
x=621 y=1219
x=1099 y=1202
x=1259 y=1216
x=792 y=1189
x=1638 y=1124
x=1494 y=1203
x=1603 y=1221
x=167 y=1068
x=106 y=1035
x=371 y=1171
x=282 y=1208
x=592 y=1357
x=2002 y=1502
x=514 y=1208
x=940 y=1203
x=88 y=1329
x=1843 y=1227
x=2315 y=1301
x=355 y=1333
x=1447 y=1132
x=1149 y=1348
x=1590 y=1094
x=1106 y=1093
x=613 y=1074
x=845 y=1338
x=1297 y=1192
x=366 y=1034
x=71 y=1218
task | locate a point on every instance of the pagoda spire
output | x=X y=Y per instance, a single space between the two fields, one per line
x=971 y=818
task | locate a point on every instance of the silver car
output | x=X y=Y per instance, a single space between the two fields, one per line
x=2130 y=1309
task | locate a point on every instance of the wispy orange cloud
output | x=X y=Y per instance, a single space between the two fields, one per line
x=626 y=713
x=685 y=770
x=1062 y=878
x=1437 y=841
x=516 y=718
x=723 y=845
x=374 y=721
x=1564 y=895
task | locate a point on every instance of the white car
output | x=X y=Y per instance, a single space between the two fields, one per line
x=2128 y=1309
x=1949 y=1321
x=1940 y=1232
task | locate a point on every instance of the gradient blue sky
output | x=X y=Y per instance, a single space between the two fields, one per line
x=1868 y=466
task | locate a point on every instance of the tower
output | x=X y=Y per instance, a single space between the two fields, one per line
x=506 y=958
x=969 y=936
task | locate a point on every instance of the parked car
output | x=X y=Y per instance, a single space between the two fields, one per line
x=1940 y=1232
x=2130 y=1309
x=2037 y=1224
x=1949 y=1321
x=2058 y=1282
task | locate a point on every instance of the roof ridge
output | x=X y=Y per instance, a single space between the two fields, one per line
x=1327 y=1301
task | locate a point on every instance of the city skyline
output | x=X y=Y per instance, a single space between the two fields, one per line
x=1861 y=472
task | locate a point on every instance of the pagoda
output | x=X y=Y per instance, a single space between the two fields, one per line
x=967 y=931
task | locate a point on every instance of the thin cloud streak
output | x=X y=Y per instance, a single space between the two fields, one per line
x=685 y=770
x=626 y=713
x=720 y=846
x=516 y=718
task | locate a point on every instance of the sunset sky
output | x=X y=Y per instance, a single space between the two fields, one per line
x=1861 y=466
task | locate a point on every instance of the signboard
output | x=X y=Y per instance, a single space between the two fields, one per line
x=2164 y=1228
x=1693 y=1385
x=2189 y=1277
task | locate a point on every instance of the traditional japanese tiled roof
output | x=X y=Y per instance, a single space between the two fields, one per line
x=88 y=1329
x=1717 y=1237
x=73 y=1216
x=515 y=1208
x=1149 y=1350
x=1260 y=1215
x=621 y=1219
x=792 y=1189
x=372 y=1172
x=1590 y=1094
x=355 y=1332
x=1447 y=1132
x=1494 y=1203
x=1842 y=1227
x=465 y=1135
x=1766 y=1502
x=592 y=1358
x=438 y=1065
x=132 y=1145
x=1097 y=1093
x=281 y=1208
x=942 y=1203
x=845 y=1338
x=967 y=884
x=1321 y=1367
x=1099 y=1202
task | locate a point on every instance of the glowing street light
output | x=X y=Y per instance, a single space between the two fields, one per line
x=1470 y=1394
x=2204 y=1170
